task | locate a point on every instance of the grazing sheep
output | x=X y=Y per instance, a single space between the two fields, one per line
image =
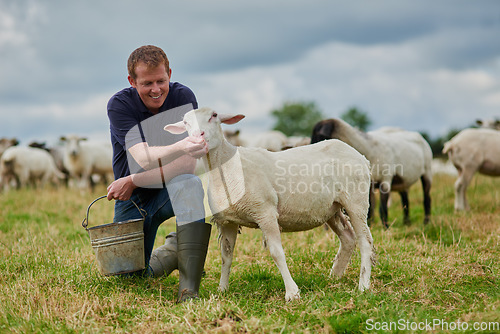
x=288 y=191
x=398 y=158
x=471 y=151
x=489 y=124
x=27 y=165
x=83 y=159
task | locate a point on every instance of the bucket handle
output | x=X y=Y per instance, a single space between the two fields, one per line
x=85 y=221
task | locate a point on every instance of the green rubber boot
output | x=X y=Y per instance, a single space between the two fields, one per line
x=164 y=258
x=192 y=246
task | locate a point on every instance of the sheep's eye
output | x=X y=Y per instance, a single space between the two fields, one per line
x=213 y=116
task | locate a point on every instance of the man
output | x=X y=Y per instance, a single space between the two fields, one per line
x=155 y=171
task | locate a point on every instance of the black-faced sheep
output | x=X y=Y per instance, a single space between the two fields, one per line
x=398 y=158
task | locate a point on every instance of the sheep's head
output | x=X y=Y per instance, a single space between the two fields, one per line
x=204 y=122
x=72 y=144
x=323 y=130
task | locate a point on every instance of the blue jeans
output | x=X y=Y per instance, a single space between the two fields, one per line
x=183 y=198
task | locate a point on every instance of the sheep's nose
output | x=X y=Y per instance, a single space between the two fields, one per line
x=198 y=133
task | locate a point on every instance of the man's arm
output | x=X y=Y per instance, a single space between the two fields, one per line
x=148 y=156
x=176 y=159
x=123 y=187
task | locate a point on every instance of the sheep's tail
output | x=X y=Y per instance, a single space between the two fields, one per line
x=447 y=147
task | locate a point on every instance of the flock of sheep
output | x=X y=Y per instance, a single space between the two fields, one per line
x=285 y=184
x=73 y=160
x=83 y=163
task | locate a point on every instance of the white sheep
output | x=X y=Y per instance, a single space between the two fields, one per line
x=272 y=141
x=288 y=191
x=296 y=141
x=27 y=165
x=398 y=158
x=83 y=159
x=471 y=151
x=57 y=152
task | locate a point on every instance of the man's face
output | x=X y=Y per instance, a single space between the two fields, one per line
x=152 y=85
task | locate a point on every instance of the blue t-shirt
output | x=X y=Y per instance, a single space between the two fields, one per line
x=126 y=112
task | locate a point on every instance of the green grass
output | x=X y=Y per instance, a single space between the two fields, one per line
x=447 y=270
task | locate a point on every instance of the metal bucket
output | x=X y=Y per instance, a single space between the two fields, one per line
x=118 y=247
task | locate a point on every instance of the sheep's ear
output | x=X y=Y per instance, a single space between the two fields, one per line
x=176 y=128
x=230 y=119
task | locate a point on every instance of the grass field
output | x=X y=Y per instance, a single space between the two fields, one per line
x=444 y=276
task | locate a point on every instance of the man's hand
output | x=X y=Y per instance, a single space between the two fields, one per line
x=195 y=146
x=121 y=189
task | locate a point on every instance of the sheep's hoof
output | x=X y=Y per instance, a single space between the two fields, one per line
x=222 y=288
x=292 y=296
x=364 y=289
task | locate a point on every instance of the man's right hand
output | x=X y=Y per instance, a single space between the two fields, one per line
x=121 y=189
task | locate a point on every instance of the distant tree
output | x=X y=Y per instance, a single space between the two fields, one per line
x=357 y=118
x=297 y=118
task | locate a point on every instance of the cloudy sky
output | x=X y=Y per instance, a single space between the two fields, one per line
x=422 y=65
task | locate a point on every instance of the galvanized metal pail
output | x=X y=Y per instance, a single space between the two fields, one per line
x=118 y=247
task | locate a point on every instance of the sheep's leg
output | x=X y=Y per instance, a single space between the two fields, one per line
x=365 y=242
x=406 y=206
x=373 y=202
x=270 y=230
x=23 y=178
x=384 y=198
x=344 y=231
x=228 y=233
x=426 y=186
x=461 y=185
